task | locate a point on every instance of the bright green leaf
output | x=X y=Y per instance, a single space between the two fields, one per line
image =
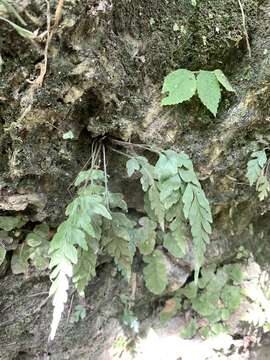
x=208 y=90
x=181 y=86
x=223 y=80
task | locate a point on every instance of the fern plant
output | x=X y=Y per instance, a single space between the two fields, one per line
x=210 y=303
x=182 y=84
x=97 y=223
x=256 y=173
x=173 y=195
x=215 y=299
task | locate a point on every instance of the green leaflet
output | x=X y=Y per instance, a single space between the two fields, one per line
x=234 y=273
x=255 y=173
x=231 y=297
x=223 y=80
x=116 y=200
x=116 y=241
x=156 y=204
x=9 y=223
x=190 y=291
x=89 y=175
x=263 y=187
x=38 y=241
x=209 y=90
x=207 y=276
x=155 y=275
x=19 y=260
x=181 y=86
x=167 y=165
x=85 y=269
x=255 y=166
x=132 y=166
x=176 y=240
x=197 y=211
x=145 y=237
x=20 y=30
x=150 y=186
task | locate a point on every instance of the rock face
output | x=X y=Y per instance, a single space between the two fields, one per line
x=106 y=64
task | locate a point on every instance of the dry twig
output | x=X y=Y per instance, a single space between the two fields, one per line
x=244 y=27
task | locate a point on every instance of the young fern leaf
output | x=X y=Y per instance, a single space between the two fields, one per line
x=70 y=241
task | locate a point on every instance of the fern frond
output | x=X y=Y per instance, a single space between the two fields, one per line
x=197 y=211
x=149 y=185
x=70 y=245
x=181 y=194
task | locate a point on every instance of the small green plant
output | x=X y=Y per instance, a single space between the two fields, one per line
x=7 y=225
x=79 y=314
x=213 y=301
x=182 y=84
x=35 y=249
x=130 y=320
x=256 y=173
